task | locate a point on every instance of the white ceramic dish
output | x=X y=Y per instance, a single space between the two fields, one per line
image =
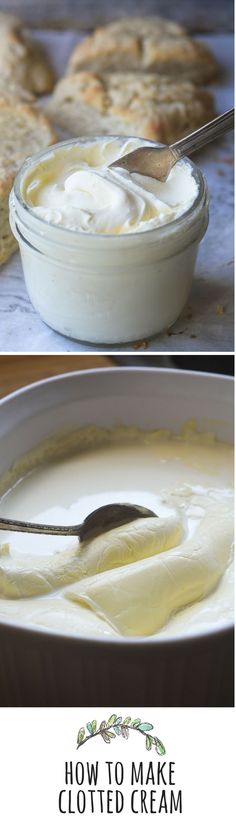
x=51 y=669
x=107 y=288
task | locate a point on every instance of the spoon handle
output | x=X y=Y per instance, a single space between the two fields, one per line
x=198 y=139
x=38 y=528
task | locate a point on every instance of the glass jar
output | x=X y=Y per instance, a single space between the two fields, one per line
x=107 y=289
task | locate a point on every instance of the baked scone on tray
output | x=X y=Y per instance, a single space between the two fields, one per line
x=8 y=244
x=136 y=104
x=22 y=60
x=23 y=131
x=144 y=44
x=13 y=91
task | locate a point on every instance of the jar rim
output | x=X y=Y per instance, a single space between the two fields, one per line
x=60 y=230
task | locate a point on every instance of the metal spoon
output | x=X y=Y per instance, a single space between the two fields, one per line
x=102 y=519
x=157 y=162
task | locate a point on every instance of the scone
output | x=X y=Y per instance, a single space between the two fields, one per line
x=22 y=60
x=23 y=131
x=8 y=243
x=14 y=92
x=144 y=44
x=132 y=104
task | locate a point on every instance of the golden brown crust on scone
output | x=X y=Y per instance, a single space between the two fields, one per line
x=144 y=44
x=22 y=60
x=8 y=244
x=13 y=92
x=137 y=104
x=23 y=131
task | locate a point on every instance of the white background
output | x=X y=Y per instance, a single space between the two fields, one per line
x=35 y=743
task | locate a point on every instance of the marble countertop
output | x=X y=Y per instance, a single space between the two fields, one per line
x=207 y=322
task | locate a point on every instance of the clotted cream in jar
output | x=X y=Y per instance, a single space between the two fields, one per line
x=108 y=256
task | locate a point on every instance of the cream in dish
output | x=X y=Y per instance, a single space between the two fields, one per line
x=171 y=575
x=75 y=188
x=108 y=257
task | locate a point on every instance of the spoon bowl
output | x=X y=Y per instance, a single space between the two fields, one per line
x=102 y=519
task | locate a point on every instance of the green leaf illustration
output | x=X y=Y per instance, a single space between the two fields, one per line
x=117 y=726
x=106 y=738
x=111 y=720
x=148 y=742
x=81 y=735
x=160 y=749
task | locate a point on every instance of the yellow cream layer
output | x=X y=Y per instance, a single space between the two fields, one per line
x=75 y=187
x=170 y=575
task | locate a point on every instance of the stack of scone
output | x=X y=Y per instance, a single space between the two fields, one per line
x=24 y=72
x=136 y=76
